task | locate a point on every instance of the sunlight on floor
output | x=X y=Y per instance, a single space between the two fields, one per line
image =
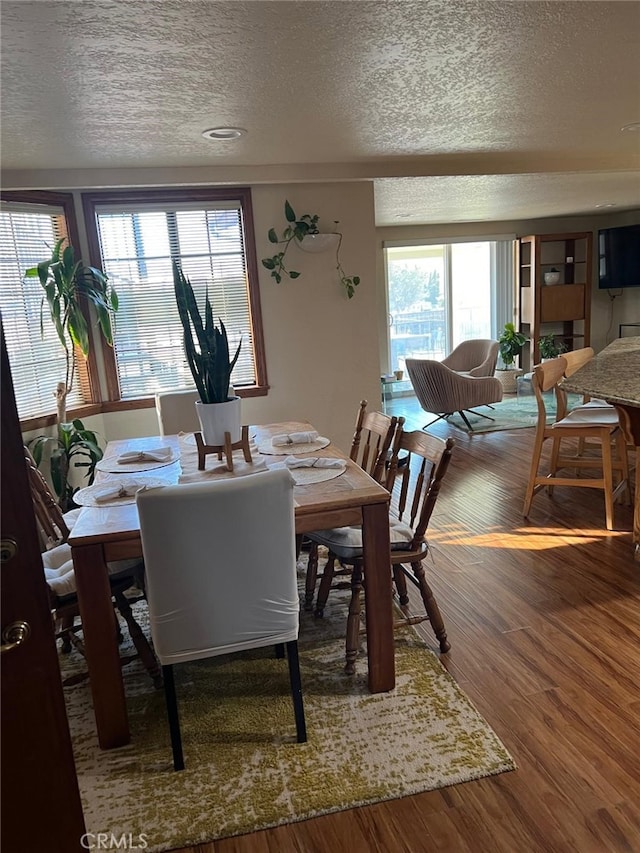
x=525 y=539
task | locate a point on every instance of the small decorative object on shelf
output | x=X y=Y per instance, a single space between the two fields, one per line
x=304 y=231
x=552 y=277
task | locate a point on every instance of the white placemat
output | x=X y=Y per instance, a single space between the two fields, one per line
x=87 y=496
x=112 y=466
x=292 y=449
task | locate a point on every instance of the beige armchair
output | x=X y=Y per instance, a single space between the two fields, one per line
x=473 y=358
x=442 y=391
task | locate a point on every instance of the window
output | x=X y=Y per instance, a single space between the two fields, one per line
x=445 y=293
x=28 y=231
x=134 y=237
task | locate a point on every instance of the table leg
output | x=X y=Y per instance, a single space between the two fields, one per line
x=380 y=647
x=101 y=646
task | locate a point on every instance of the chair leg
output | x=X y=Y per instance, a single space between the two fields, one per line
x=279 y=651
x=466 y=420
x=431 y=606
x=533 y=473
x=607 y=475
x=439 y=418
x=141 y=643
x=325 y=585
x=171 y=701
x=353 y=620
x=401 y=585
x=312 y=577
x=296 y=690
x=481 y=414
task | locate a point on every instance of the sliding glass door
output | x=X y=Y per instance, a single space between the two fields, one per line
x=445 y=293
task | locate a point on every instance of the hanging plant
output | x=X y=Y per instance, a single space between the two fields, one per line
x=295 y=231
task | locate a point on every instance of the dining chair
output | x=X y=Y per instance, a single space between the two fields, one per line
x=221 y=576
x=176 y=412
x=370 y=449
x=124 y=576
x=416 y=486
x=584 y=422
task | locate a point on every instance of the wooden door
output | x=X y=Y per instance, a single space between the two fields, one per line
x=41 y=807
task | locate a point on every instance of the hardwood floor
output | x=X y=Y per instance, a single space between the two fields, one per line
x=544 y=621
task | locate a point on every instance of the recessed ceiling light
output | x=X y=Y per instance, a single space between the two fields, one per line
x=607 y=204
x=224 y=133
x=635 y=125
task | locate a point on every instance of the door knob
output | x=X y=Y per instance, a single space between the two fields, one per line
x=14 y=635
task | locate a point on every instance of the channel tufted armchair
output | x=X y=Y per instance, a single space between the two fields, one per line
x=442 y=391
x=473 y=358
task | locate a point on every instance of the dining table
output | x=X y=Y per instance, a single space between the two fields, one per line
x=614 y=375
x=106 y=532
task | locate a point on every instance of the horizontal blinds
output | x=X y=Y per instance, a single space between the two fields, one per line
x=138 y=243
x=37 y=361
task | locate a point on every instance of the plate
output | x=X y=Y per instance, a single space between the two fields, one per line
x=86 y=496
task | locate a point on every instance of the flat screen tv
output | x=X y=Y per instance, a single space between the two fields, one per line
x=619 y=257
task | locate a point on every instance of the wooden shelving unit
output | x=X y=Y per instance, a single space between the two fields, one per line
x=562 y=309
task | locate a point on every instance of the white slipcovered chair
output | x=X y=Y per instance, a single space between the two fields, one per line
x=442 y=391
x=474 y=358
x=177 y=412
x=220 y=563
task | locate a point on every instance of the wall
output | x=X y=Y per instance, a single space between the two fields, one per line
x=321 y=348
x=607 y=312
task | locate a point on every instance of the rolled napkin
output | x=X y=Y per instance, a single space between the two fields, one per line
x=155 y=454
x=113 y=491
x=294 y=438
x=313 y=462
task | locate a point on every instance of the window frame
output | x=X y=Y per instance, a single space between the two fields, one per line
x=93 y=199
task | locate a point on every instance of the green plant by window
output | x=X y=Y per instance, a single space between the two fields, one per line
x=73 y=446
x=296 y=230
x=550 y=347
x=211 y=366
x=66 y=283
x=510 y=344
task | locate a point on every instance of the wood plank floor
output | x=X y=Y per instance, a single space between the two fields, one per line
x=544 y=620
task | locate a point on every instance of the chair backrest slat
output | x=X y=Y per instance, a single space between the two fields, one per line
x=48 y=513
x=372 y=440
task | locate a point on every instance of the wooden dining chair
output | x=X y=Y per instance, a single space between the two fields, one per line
x=371 y=450
x=580 y=424
x=124 y=576
x=416 y=486
x=221 y=577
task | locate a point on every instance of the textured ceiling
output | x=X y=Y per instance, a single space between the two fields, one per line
x=459 y=110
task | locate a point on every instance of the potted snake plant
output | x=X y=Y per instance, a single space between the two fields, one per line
x=207 y=350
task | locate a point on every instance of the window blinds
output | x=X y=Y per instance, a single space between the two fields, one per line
x=137 y=244
x=27 y=235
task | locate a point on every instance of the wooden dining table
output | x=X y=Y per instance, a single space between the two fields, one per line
x=107 y=533
x=614 y=375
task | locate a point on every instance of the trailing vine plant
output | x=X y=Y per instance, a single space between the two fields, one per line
x=296 y=230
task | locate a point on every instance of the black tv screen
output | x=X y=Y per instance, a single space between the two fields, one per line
x=619 y=257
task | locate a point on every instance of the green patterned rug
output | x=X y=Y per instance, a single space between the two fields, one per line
x=244 y=770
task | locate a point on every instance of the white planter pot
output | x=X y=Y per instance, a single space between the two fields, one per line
x=552 y=278
x=218 y=418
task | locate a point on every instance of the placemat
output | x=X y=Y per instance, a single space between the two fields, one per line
x=268 y=449
x=306 y=476
x=112 y=466
x=86 y=496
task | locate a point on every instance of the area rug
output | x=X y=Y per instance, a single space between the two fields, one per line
x=512 y=413
x=244 y=770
